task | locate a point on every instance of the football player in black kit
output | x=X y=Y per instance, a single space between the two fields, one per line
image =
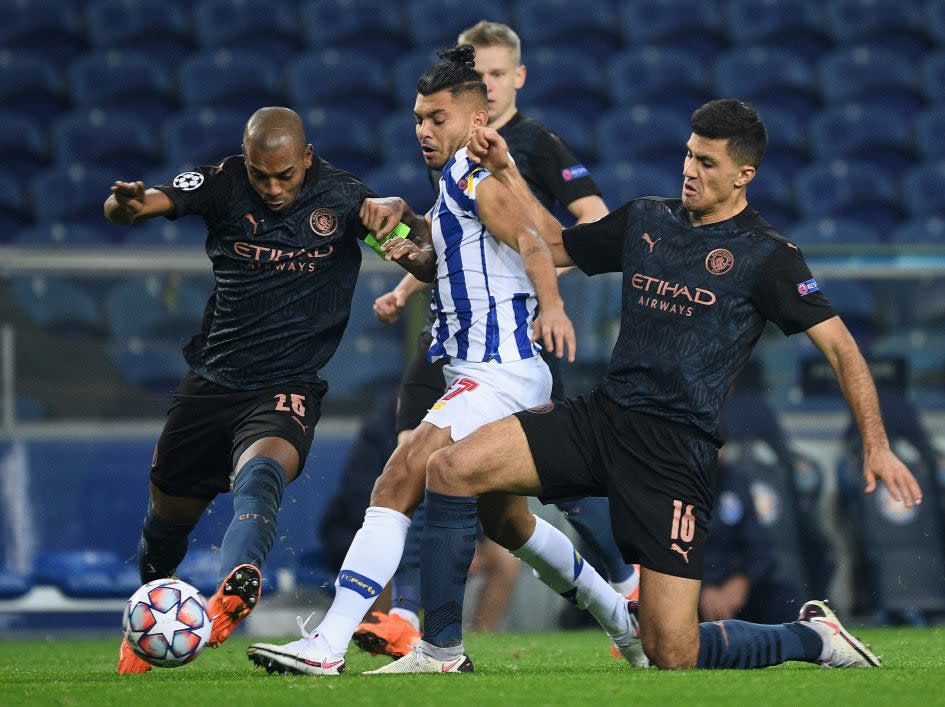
x=555 y=175
x=282 y=232
x=701 y=276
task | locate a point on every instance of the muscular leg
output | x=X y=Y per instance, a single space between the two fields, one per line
x=674 y=638
x=496 y=458
x=262 y=471
x=377 y=547
x=167 y=525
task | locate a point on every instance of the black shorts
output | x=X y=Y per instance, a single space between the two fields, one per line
x=208 y=427
x=658 y=475
x=421 y=385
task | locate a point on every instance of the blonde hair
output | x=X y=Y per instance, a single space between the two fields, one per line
x=492 y=34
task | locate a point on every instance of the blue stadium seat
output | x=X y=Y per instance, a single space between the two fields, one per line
x=935 y=20
x=407 y=180
x=864 y=133
x=877 y=77
x=880 y=24
x=929 y=129
x=375 y=27
x=53 y=28
x=437 y=23
x=104 y=138
x=186 y=232
x=269 y=30
x=923 y=189
x=62 y=235
x=13 y=584
x=787 y=140
x=31 y=85
x=406 y=72
x=571 y=24
x=202 y=137
x=60 y=307
x=23 y=148
x=771 y=194
x=88 y=573
x=161 y=32
x=156 y=368
x=622 y=181
x=566 y=79
x=857 y=191
x=577 y=132
x=397 y=138
x=339 y=77
x=658 y=77
x=128 y=81
x=929 y=230
x=632 y=133
x=73 y=195
x=831 y=231
x=768 y=76
x=691 y=25
x=200 y=568
x=229 y=80
x=154 y=310
x=14 y=211
x=343 y=137
x=932 y=76
x=796 y=27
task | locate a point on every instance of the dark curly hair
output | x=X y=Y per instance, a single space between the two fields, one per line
x=456 y=72
x=739 y=122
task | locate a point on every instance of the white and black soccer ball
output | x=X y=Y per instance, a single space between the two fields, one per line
x=166 y=623
x=188 y=181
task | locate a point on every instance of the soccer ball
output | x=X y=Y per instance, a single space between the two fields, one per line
x=166 y=622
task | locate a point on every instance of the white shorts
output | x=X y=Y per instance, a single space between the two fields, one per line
x=480 y=393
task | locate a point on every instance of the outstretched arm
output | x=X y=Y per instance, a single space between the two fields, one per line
x=488 y=148
x=856 y=383
x=130 y=202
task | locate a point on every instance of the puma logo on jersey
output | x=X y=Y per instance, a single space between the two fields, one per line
x=685 y=553
x=252 y=219
x=648 y=239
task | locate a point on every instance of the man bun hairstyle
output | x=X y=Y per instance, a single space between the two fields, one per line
x=736 y=121
x=456 y=72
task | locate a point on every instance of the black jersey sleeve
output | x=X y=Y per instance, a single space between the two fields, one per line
x=787 y=294
x=201 y=191
x=555 y=167
x=597 y=247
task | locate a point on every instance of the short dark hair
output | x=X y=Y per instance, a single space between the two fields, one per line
x=455 y=72
x=739 y=122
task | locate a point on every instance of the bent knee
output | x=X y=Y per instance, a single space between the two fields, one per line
x=668 y=656
x=445 y=474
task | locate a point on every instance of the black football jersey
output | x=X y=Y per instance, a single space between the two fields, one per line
x=283 y=280
x=694 y=302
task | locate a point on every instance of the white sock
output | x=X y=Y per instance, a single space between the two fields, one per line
x=407 y=615
x=556 y=563
x=369 y=565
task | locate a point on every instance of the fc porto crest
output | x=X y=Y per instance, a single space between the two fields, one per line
x=323 y=221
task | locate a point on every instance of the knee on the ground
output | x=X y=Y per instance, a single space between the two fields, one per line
x=668 y=655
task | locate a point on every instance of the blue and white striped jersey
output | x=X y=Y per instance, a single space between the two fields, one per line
x=483 y=300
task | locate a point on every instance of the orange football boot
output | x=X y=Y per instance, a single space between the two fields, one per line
x=237 y=596
x=389 y=634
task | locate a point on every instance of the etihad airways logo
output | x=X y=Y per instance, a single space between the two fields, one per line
x=262 y=257
x=671 y=297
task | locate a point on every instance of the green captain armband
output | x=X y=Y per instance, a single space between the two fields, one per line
x=402 y=230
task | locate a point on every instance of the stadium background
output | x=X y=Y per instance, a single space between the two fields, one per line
x=853 y=92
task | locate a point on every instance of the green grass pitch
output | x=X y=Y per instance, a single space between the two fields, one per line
x=554 y=668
